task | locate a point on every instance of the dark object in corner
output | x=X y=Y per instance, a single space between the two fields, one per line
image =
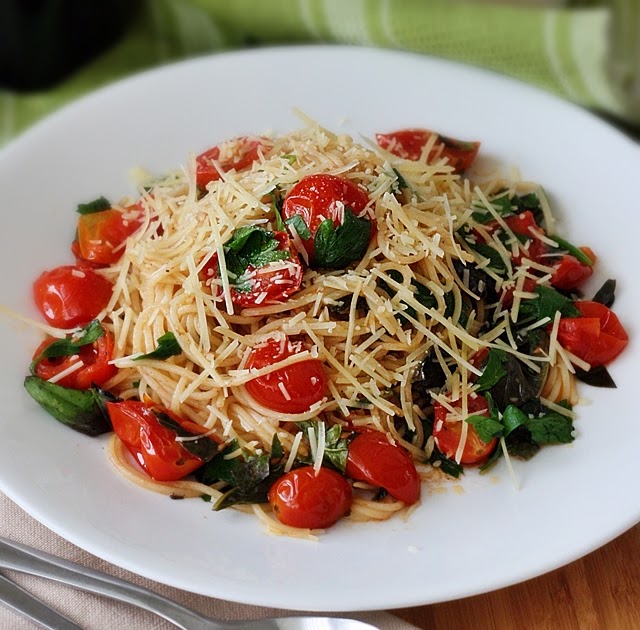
x=43 y=41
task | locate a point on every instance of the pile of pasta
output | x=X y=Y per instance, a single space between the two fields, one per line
x=370 y=339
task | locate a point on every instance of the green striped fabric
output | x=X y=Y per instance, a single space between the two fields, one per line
x=586 y=51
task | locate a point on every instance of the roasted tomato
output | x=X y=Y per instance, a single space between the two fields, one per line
x=409 y=143
x=375 y=460
x=448 y=433
x=153 y=445
x=302 y=498
x=272 y=283
x=236 y=154
x=291 y=389
x=94 y=369
x=101 y=235
x=70 y=295
x=569 y=273
x=316 y=198
x=597 y=337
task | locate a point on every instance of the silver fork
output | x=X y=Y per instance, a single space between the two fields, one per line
x=27 y=560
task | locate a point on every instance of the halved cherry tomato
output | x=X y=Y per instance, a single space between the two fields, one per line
x=319 y=197
x=291 y=389
x=506 y=296
x=152 y=445
x=238 y=154
x=270 y=284
x=101 y=235
x=375 y=460
x=71 y=295
x=447 y=433
x=408 y=144
x=597 y=337
x=95 y=369
x=302 y=498
x=570 y=273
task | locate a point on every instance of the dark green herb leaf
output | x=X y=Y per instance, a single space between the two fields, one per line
x=494 y=370
x=519 y=385
x=596 y=377
x=168 y=346
x=82 y=410
x=250 y=245
x=400 y=181
x=512 y=418
x=220 y=468
x=486 y=251
x=606 y=294
x=520 y=445
x=97 y=205
x=572 y=249
x=491 y=462
x=203 y=447
x=446 y=465
x=336 y=449
x=501 y=204
x=290 y=158
x=335 y=248
x=487 y=428
x=72 y=344
x=298 y=224
x=547 y=304
x=552 y=428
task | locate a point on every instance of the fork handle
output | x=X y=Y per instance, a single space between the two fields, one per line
x=35 y=562
x=15 y=597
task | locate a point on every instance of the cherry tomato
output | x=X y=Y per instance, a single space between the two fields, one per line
x=597 y=337
x=71 y=295
x=301 y=498
x=245 y=151
x=152 y=445
x=408 y=144
x=570 y=273
x=291 y=389
x=271 y=284
x=447 y=433
x=375 y=460
x=319 y=197
x=101 y=235
x=524 y=224
x=95 y=369
x=506 y=296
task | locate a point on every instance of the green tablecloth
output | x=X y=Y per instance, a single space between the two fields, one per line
x=588 y=50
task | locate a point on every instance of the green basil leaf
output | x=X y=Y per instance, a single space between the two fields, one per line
x=551 y=428
x=81 y=410
x=203 y=447
x=335 y=248
x=494 y=370
x=72 y=344
x=512 y=418
x=547 y=303
x=487 y=428
x=97 y=205
x=168 y=346
x=606 y=294
x=596 y=377
x=401 y=182
x=572 y=249
x=298 y=224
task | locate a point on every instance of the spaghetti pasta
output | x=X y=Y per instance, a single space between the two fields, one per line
x=416 y=295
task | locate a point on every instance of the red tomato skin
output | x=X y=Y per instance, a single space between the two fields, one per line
x=322 y=196
x=305 y=382
x=278 y=282
x=153 y=446
x=570 y=273
x=102 y=234
x=375 y=460
x=249 y=149
x=447 y=433
x=95 y=356
x=303 y=499
x=408 y=144
x=597 y=337
x=71 y=295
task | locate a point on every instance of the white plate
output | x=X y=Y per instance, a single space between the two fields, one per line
x=477 y=536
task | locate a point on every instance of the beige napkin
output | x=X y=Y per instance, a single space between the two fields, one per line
x=99 y=613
